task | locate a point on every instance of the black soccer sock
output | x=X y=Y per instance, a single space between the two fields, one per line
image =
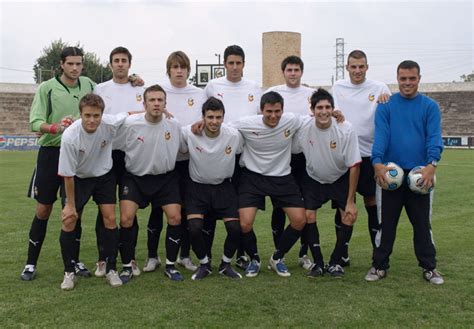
x=111 y=240
x=278 y=225
x=311 y=234
x=337 y=225
x=373 y=222
x=249 y=243
x=99 y=233
x=288 y=239
x=126 y=244
x=135 y=229
x=154 y=228
x=67 y=243
x=208 y=230
x=343 y=236
x=196 y=237
x=36 y=238
x=185 y=241
x=77 y=240
x=304 y=246
x=173 y=239
x=232 y=239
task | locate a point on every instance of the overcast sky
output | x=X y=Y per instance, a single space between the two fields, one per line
x=437 y=34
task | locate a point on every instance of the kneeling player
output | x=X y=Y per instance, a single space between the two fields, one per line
x=85 y=162
x=210 y=188
x=151 y=144
x=332 y=171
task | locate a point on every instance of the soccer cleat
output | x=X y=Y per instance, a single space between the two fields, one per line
x=253 y=269
x=305 y=262
x=187 y=263
x=136 y=271
x=28 y=273
x=201 y=272
x=68 y=281
x=279 y=267
x=113 y=278
x=433 y=276
x=242 y=262
x=172 y=273
x=227 y=270
x=100 y=269
x=126 y=275
x=335 y=270
x=82 y=271
x=375 y=275
x=345 y=261
x=151 y=264
x=315 y=271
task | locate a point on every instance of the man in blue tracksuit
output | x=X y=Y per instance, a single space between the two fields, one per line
x=407 y=132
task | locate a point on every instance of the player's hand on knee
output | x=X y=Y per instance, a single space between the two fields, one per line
x=69 y=213
x=350 y=213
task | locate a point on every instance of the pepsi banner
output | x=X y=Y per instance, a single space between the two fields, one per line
x=18 y=143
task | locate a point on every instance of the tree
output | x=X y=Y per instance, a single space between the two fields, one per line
x=468 y=77
x=48 y=64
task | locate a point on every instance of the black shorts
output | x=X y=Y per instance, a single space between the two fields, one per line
x=46 y=182
x=118 y=167
x=298 y=167
x=316 y=194
x=366 y=184
x=283 y=191
x=102 y=189
x=182 y=167
x=159 y=190
x=221 y=200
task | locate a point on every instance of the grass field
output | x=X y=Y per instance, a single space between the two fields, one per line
x=403 y=299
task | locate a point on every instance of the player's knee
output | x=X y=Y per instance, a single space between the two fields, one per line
x=126 y=221
x=68 y=225
x=310 y=217
x=109 y=222
x=195 y=226
x=369 y=201
x=298 y=222
x=232 y=227
x=43 y=211
x=348 y=220
x=174 y=218
x=245 y=227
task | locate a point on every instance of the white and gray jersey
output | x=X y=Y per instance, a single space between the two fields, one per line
x=329 y=152
x=185 y=104
x=240 y=98
x=267 y=151
x=119 y=98
x=212 y=159
x=358 y=103
x=86 y=155
x=297 y=100
x=150 y=148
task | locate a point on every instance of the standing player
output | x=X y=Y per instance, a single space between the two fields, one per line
x=332 y=170
x=241 y=97
x=85 y=162
x=266 y=172
x=407 y=132
x=297 y=100
x=357 y=99
x=210 y=188
x=120 y=96
x=184 y=101
x=151 y=145
x=56 y=102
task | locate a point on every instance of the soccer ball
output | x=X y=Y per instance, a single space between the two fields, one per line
x=394 y=176
x=414 y=178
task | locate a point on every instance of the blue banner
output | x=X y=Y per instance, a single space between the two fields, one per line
x=18 y=143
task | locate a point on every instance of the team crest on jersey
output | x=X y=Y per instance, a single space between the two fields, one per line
x=139 y=98
x=141 y=139
x=332 y=144
x=103 y=144
x=250 y=97
x=371 y=97
x=228 y=149
x=287 y=133
x=125 y=190
x=190 y=102
x=167 y=135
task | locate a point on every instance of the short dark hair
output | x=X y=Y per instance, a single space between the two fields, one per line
x=212 y=104
x=92 y=100
x=357 y=54
x=407 y=65
x=71 y=51
x=153 y=88
x=120 y=50
x=321 y=95
x=292 y=60
x=178 y=57
x=234 y=50
x=271 y=97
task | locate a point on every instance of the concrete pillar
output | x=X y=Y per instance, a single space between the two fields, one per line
x=275 y=47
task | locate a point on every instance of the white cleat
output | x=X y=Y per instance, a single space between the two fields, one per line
x=100 y=269
x=113 y=279
x=68 y=281
x=187 y=263
x=151 y=264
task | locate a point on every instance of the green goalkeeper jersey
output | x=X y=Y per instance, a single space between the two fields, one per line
x=54 y=101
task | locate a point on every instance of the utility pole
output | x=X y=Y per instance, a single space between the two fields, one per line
x=339 y=58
